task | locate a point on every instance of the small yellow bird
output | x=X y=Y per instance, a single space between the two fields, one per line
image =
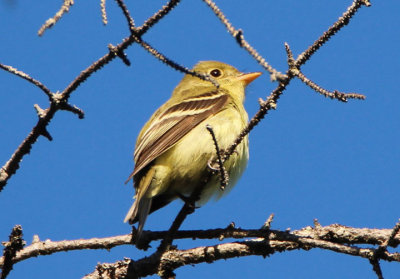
x=174 y=147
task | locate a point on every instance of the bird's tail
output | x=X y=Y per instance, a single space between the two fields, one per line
x=141 y=207
x=139 y=211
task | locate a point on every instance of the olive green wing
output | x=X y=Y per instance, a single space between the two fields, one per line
x=173 y=124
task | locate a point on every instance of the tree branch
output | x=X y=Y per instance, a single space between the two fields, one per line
x=13 y=164
x=333 y=233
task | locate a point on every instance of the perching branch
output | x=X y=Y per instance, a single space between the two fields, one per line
x=165 y=260
x=331 y=238
x=336 y=234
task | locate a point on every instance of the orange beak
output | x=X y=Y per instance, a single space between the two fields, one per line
x=249 y=77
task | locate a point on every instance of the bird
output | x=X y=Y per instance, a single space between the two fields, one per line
x=174 y=148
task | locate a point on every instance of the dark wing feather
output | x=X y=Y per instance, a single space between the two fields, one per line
x=174 y=124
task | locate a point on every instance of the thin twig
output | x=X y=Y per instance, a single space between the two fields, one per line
x=265 y=106
x=129 y=19
x=376 y=267
x=390 y=239
x=25 y=76
x=270 y=102
x=295 y=71
x=157 y=16
x=238 y=35
x=119 y=53
x=172 y=63
x=103 y=11
x=51 y=21
x=339 y=24
x=340 y=96
x=224 y=178
x=74 y=109
x=267 y=224
x=12 y=165
x=382 y=249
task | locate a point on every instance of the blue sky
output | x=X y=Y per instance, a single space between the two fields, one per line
x=311 y=158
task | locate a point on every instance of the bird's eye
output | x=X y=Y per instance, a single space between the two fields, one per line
x=216 y=73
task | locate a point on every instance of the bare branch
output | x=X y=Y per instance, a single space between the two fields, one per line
x=119 y=53
x=74 y=109
x=24 y=148
x=265 y=106
x=295 y=71
x=157 y=16
x=103 y=11
x=224 y=178
x=376 y=267
x=28 y=78
x=51 y=21
x=339 y=24
x=332 y=233
x=272 y=99
x=15 y=244
x=12 y=165
x=267 y=224
x=173 y=64
x=238 y=35
x=129 y=19
x=382 y=249
x=173 y=259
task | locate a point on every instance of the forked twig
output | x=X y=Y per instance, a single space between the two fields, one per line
x=270 y=102
x=295 y=71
